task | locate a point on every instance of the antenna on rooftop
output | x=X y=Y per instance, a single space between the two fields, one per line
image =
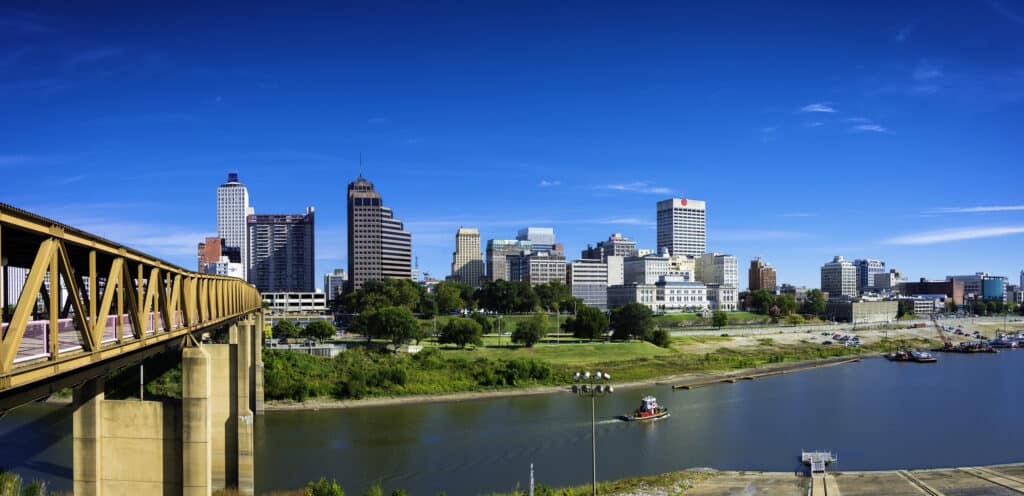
x=360 y=164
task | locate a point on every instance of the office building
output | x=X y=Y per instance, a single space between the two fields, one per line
x=379 y=247
x=538 y=268
x=671 y=292
x=839 y=278
x=799 y=293
x=924 y=305
x=616 y=245
x=211 y=250
x=972 y=284
x=682 y=226
x=866 y=270
x=588 y=281
x=683 y=263
x=233 y=212
x=760 y=275
x=951 y=288
x=645 y=270
x=224 y=267
x=300 y=308
x=467 y=261
x=718 y=268
x=993 y=288
x=540 y=238
x=334 y=284
x=280 y=252
x=612 y=252
x=502 y=255
x=888 y=281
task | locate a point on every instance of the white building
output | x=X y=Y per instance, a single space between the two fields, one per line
x=677 y=292
x=683 y=263
x=616 y=270
x=232 y=211
x=722 y=297
x=839 y=278
x=588 y=281
x=296 y=302
x=539 y=268
x=682 y=226
x=644 y=270
x=334 y=284
x=866 y=270
x=225 y=267
x=718 y=268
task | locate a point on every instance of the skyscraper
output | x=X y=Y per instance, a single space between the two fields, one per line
x=839 y=278
x=866 y=270
x=233 y=210
x=280 y=253
x=540 y=238
x=378 y=245
x=682 y=226
x=467 y=261
x=502 y=255
x=760 y=276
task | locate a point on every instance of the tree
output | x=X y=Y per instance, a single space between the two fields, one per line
x=376 y=294
x=449 y=296
x=396 y=324
x=904 y=308
x=794 y=319
x=528 y=332
x=787 y=304
x=484 y=321
x=553 y=294
x=428 y=306
x=590 y=323
x=660 y=337
x=763 y=301
x=323 y=487
x=319 y=330
x=285 y=329
x=632 y=320
x=815 y=303
x=719 y=319
x=461 y=332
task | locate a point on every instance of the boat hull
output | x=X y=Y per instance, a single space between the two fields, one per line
x=635 y=418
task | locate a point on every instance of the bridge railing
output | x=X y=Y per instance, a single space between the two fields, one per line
x=69 y=298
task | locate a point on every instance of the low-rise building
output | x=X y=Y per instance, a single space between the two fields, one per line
x=645 y=269
x=225 y=267
x=299 y=308
x=722 y=297
x=926 y=304
x=678 y=292
x=887 y=282
x=861 y=311
x=950 y=287
x=645 y=294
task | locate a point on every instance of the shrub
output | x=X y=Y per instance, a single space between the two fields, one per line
x=323 y=487
x=660 y=337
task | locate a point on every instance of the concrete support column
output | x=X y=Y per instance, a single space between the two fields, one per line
x=197 y=474
x=243 y=374
x=87 y=443
x=257 y=349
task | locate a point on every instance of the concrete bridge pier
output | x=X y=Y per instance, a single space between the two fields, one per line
x=196 y=446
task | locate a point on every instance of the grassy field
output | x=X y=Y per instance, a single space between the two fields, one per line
x=669 y=483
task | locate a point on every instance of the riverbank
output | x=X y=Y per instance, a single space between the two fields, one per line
x=692 y=379
x=993 y=479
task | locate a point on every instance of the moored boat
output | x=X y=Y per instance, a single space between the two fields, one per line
x=649 y=410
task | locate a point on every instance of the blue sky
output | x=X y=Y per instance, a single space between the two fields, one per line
x=815 y=129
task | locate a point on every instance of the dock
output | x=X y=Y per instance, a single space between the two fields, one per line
x=732 y=379
x=822 y=484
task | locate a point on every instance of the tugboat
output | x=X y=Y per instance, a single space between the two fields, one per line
x=908 y=355
x=649 y=410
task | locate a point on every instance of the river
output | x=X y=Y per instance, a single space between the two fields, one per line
x=964 y=410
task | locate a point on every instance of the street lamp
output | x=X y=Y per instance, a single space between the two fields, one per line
x=587 y=384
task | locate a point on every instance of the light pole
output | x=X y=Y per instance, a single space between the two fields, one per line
x=587 y=384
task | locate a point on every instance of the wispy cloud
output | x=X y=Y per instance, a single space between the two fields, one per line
x=956 y=234
x=857 y=119
x=799 y=214
x=638 y=187
x=871 y=128
x=814 y=124
x=825 y=107
x=71 y=179
x=756 y=235
x=625 y=221
x=904 y=33
x=1005 y=11
x=9 y=160
x=544 y=183
x=970 y=210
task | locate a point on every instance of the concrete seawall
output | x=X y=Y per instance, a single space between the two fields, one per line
x=995 y=480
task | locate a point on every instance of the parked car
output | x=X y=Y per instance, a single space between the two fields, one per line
x=826 y=342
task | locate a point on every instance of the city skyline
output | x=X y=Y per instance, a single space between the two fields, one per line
x=874 y=137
